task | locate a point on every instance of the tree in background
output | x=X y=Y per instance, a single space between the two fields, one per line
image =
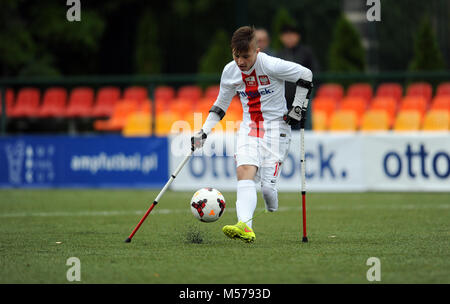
x=217 y=55
x=282 y=18
x=427 y=55
x=148 y=54
x=37 y=39
x=346 y=53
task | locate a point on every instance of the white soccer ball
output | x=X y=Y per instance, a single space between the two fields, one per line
x=207 y=205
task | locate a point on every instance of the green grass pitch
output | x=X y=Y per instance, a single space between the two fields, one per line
x=40 y=229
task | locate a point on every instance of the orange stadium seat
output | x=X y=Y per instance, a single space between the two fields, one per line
x=363 y=90
x=9 y=96
x=191 y=92
x=117 y=121
x=181 y=107
x=332 y=90
x=375 y=120
x=388 y=104
x=390 y=89
x=408 y=120
x=325 y=104
x=165 y=93
x=420 y=89
x=436 y=120
x=212 y=91
x=81 y=102
x=53 y=103
x=138 y=93
x=204 y=105
x=441 y=102
x=27 y=103
x=343 y=120
x=319 y=120
x=443 y=89
x=138 y=124
x=164 y=123
x=235 y=107
x=161 y=106
x=107 y=97
x=418 y=103
x=355 y=104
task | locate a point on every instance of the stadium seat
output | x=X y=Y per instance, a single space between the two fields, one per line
x=443 y=89
x=81 y=102
x=436 y=120
x=9 y=96
x=181 y=107
x=192 y=92
x=138 y=93
x=375 y=120
x=235 y=107
x=212 y=92
x=331 y=90
x=343 y=120
x=388 y=104
x=204 y=105
x=165 y=93
x=319 y=120
x=53 y=103
x=408 y=120
x=117 y=121
x=138 y=124
x=355 y=104
x=363 y=90
x=27 y=103
x=145 y=106
x=325 y=104
x=161 y=106
x=418 y=103
x=420 y=89
x=390 y=89
x=164 y=123
x=441 y=102
x=105 y=101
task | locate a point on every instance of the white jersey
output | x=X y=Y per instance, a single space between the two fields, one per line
x=261 y=91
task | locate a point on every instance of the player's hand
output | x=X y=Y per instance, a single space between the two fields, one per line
x=295 y=115
x=198 y=140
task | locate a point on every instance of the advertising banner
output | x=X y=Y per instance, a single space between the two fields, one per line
x=334 y=162
x=97 y=161
x=408 y=162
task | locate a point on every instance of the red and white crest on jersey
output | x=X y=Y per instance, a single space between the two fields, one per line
x=250 y=81
x=264 y=79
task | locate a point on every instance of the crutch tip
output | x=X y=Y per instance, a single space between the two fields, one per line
x=128 y=240
x=305 y=239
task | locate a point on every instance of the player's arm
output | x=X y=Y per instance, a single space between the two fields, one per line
x=302 y=77
x=216 y=113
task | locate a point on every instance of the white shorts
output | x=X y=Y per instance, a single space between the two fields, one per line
x=266 y=153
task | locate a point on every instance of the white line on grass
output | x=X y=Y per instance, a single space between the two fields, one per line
x=186 y=210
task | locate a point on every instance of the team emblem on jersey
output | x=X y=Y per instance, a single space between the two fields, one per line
x=250 y=81
x=264 y=80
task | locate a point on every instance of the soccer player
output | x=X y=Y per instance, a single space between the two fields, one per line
x=265 y=132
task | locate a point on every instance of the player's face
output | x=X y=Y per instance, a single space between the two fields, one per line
x=245 y=60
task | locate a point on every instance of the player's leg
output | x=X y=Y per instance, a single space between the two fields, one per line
x=269 y=177
x=276 y=150
x=247 y=163
x=246 y=193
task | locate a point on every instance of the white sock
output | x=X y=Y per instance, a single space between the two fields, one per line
x=246 y=201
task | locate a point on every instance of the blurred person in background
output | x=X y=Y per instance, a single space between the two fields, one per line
x=263 y=39
x=295 y=51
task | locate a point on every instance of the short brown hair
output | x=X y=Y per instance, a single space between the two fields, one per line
x=242 y=39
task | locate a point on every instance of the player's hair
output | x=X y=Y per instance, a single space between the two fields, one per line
x=242 y=39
